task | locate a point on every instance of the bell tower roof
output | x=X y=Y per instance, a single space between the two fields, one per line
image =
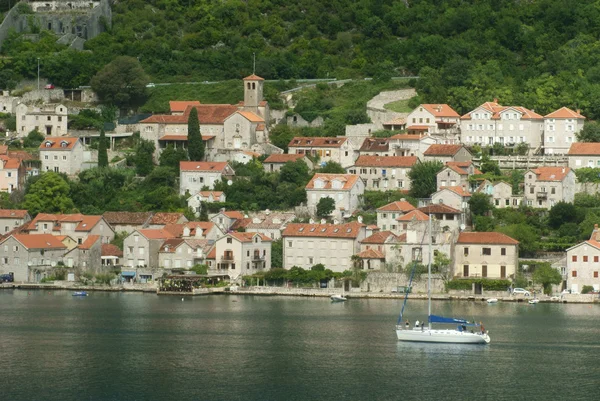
x=253 y=77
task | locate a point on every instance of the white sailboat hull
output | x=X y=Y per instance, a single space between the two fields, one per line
x=442 y=336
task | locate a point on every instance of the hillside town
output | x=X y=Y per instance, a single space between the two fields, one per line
x=234 y=244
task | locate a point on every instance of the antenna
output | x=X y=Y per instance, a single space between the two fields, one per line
x=254 y=63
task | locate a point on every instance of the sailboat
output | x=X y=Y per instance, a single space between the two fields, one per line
x=460 y=335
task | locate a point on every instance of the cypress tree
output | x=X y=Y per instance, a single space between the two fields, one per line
x=102 y=153
x=195 y=142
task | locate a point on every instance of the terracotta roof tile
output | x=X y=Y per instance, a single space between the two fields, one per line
x=207 y=114
x=386 y=161
x=39 y=241
x=250 y=116
x=84 y=223
x=132 y=218
x=58 y=143
x=253 y=77
x=396 y=121
x=234 y=214
x=10 y=163
x=111 y=250
x=442 y=150
x=89 y=242
x=496 y=110
x=170 y=245
x=371 y=254
x=248 y=236
x=585 y=149
x=438 y=208
x=166 y=218
x=203 y=166
x=158 y=233
x=418 y=127
x=375 y=145
x=347 y=180
x=179 y=106
x=407 y=137
x=492 y=238
x=414 y=215
x=551 y=173
x=317 y=142
x=440 y=110
x=183 y=138
x=381 y=237
x=212 y=254
x=565 y=112
x=397 y=206
x=348 y=230
x=13 y=213
x=283 y=158
x=457 y=190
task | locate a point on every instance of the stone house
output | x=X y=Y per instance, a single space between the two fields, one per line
x=268 y=223
x=195 y=201
x=380 y=249
x=485 y=255
x=162 y=219
x=583 y=264
x=560 y=130
x=276 y=161
x=176 y=253
x=387 y=214
x=376 y=147
x=305 y=245
x=507 y=125
x=410 y=145
x=87 y=256
x=397 y=124
x=502 y=196
x=584 y=154
x=344 y=189
x=447 y=153
x=76 y=226
x=12 y=173
x=30 y=257
x=456 y=174
x=8 y=103
x=383 y=173
x=127 y=221
x=196 y=176
x=195 y=230
x=435 y=119
x=455 y=197
x=49 y=120
x=546 y=186
x=111 y=255
x=140 y=248
x=12 y=218
x=242 y=253
x=225 y=219
x=335 y=149
x=243 y=129
x=61 y=155
x=448 y=217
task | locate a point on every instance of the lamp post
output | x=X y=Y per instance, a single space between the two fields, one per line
x=38 y=60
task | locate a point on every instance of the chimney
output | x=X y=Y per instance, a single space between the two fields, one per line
x=578 y=111
x=360 y=219
x=563 y=170
x=311 y=221
x=495 y=100
x=322 y=221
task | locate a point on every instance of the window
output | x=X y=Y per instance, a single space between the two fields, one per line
x=229 y=240
x=80 y=241
x=574 y=273
x=466 y=271
x=552 y=190
x=595 y=274
x=574 y=258
x=289 y=244
x=486 y=251
x=503 y=251
x=585 y=258
x=466 y=251
x=595 y=259
x=484 y=271
x=531 y=190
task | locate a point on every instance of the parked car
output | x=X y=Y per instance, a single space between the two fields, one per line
x=49 y=86
x=521 y=291
x=6 y=278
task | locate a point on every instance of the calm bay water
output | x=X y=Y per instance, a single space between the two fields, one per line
x=54 y=346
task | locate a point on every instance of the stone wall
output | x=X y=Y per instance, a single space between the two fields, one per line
x=44 y=95
x=386 y=282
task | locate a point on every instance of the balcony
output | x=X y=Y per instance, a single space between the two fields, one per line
x=227 y=258
x=258 y=258
x=542 y=195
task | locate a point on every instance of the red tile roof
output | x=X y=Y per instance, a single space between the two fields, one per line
x=84 y=223
x=203 y=166
x=457 y=190
x=491 y=238
x=551 y=173
x=193 y=226
x=375 y=145
x=253 y=77
x=58 y=143
x=418 y=127
x=317 y=142
x=111 y=250
x=179 y=106
x=386 y=161
x=283 y=158
x=497 y=110
x=440 y=110
x=249 y=237
x=348 y=181
x=371 y=254
x=565 y=112
x=21 y=155
x=414 y=215
x=183 y=138
x=397 y=206
x=171 y=245
x=89 y=241
x=407 y=137
x=13 y=213
x=585 y=149
x=464 y=166
x=166 y=218
x=380 y=237
x=250 y=116
x=207 y=114
x=442 y=150
x=396 y=121
x=10 y=163
x=39 y=241
x=132 y=218
x=159 y=233
x=438 y=208
x=212 y=254
x=234 y=214
x=348 y=230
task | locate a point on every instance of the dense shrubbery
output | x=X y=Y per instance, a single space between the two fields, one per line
x=487 y=284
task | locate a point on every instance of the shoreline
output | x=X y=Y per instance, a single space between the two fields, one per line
x=300 y=292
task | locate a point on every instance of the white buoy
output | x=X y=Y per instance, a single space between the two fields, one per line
x=181 y=299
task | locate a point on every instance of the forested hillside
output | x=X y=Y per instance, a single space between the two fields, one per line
x=541 y=54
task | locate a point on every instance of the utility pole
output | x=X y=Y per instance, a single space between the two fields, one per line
x=38 y=59
x=254 y=63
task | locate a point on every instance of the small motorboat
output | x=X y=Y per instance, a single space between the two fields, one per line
x=80 y=294
x=534 y=301
x=338 y=298
x=492 y=300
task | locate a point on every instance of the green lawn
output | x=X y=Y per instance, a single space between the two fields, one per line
x=399 y=106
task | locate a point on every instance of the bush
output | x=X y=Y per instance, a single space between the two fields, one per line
x=487 y=284
x=587 y=289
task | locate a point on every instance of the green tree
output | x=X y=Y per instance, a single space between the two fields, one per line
x=33 y=139
x=171 y=157
x=562 y=212
x=546 y=275
x=332 y=168
x=49 y=194
x=480 y=204
x=295 y=173
x=325 y=207
x=102 y=152
x=277 y=253
x=203 y=212
x=525 y=234
x=442 y=266
x=195 y=142
x=121 y=82
x=143 y=158
x=489 y=166
x=423 y=178
x=589 y=133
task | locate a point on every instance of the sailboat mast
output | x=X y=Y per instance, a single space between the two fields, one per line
x=429 y=273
